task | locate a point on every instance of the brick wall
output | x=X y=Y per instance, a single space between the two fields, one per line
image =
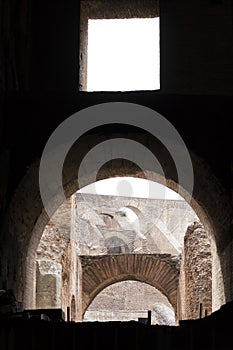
x=129 y=300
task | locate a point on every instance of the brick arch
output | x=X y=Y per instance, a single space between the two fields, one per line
x=158 y=270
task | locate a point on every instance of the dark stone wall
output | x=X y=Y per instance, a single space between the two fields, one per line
x=39 y=43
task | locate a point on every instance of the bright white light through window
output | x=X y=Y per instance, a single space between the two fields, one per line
x=123 y=54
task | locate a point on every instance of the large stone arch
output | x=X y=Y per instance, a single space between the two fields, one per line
x=26 y=217
x=158 y=270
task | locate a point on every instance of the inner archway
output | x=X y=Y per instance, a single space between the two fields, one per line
x=113 y=240
x=130 y=300
x=109 y=225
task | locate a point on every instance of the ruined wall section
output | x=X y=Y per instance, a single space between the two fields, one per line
x=53 y=243
x=195 y=285
x=55 y=250
x=113 y=225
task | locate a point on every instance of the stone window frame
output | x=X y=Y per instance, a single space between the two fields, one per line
x=108 y=9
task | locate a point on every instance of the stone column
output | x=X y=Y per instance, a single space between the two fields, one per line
x=48 y=284
x=197 y=272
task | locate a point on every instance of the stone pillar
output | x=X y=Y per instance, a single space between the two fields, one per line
x=48 y=284
x=195 y=289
